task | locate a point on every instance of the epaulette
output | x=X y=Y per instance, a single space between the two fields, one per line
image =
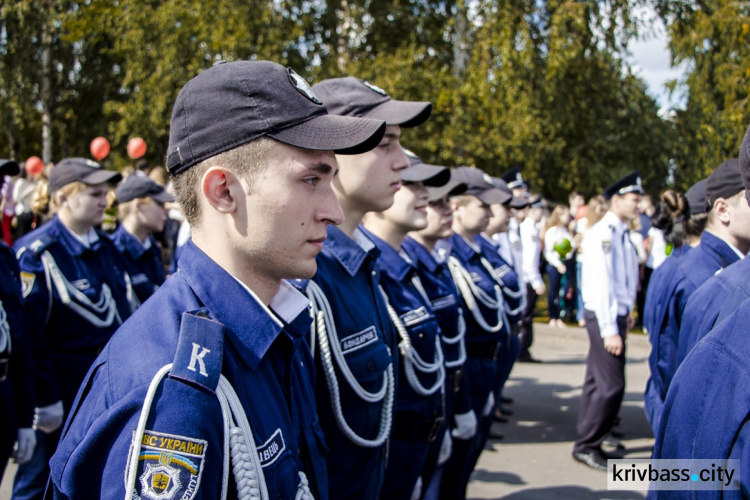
x=200 y=350
x=39 y=245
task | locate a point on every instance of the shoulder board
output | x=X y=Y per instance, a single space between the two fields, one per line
x=40 y=244
x=200 y=349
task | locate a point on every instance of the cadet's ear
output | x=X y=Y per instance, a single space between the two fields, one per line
x=721 y=210
x=220 y=188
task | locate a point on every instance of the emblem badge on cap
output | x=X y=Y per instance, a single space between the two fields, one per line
x=374 y=88
x=302 y=86
x=487 y=179
x=410 y=154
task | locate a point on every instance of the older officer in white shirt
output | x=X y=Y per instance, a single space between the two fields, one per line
x=609 y=279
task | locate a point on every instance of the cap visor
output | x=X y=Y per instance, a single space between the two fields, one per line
x=163 y=197
x=100 y=177
x=493 y=196
x=452 y=188
x=403 y=113
x=431 y=175
x=9 y=167
x=345 y=135
x=517 y=202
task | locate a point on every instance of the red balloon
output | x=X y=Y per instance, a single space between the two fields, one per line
x=136 y=148
x=99 y=148
x=33 y=166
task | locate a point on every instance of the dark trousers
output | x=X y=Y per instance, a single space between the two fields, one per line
x=603 y=388
x=527 y=321
x=553 y=293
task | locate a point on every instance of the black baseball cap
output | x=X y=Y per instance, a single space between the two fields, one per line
x=631 y=183
x=418 y=171
x=351 y=96
x=696 y=197
x=480 y=185
x=9 y=167
x=724 y=182
x=234 y=103
x=140 y=186
x=745 y=160
x=80 y=170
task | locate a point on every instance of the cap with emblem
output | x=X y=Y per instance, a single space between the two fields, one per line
x=631 y=183
x=80 y=170
x=480 y=185
x=513 y=178
x=418 y=171
x=514 y=201
x=351 y=96
x=724 y=182
x=9 y=167
x=536 y=201
x=140 y=186
x=696 y=197
x=234 y=103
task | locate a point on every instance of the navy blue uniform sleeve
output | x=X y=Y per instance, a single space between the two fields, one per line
x=37 y=303
x=180 y=453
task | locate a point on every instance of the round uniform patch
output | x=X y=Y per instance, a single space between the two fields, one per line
x=302 y=86
x=374 y=88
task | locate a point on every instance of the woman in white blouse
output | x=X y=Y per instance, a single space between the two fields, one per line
x=558 y=247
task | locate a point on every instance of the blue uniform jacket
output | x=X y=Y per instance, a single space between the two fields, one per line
x=706 y=302
x=201 y=308
x=144 y=265
x=705 y=413
x=349 y=277
x=694 y=269
x=17 y=390
x=416 y=314
x=505 y=275
x=444 y=299
x=470 y=259
x=65 y=341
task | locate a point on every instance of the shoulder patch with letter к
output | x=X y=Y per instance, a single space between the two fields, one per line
x=27 y=282
x=358 y=340
x=272 y=449
x=606 y=246
x=443 y=302
x=170 y=466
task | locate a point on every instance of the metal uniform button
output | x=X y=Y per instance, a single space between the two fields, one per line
x=370 y=365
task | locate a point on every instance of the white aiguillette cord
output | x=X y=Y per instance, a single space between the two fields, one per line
x=330 y=349
x=239 y=446
x=471 y=293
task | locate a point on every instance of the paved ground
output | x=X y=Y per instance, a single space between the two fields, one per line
x=534 y=460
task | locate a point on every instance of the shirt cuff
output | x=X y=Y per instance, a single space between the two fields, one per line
x=608 y=330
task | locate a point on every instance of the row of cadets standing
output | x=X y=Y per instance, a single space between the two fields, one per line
x=206 y=391
x=17 y=438
x=609 y=280
x=725 y=240
x=357 y=386
x=660 y=288
x=486 y=323
x=420 y=410
x=76 y=294
x=432 y=269
x=705 y=411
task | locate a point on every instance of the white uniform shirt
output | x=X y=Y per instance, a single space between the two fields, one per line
x=553 y=236
x=658 y=253
x=532 y=250
x=609 y=272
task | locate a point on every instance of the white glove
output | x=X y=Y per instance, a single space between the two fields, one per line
x=445 y=448
x=489 y=406
x=49 y=418
x=466 y=425
x=416 y=494
x=24 y=448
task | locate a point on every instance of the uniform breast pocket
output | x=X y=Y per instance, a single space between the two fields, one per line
x=366 y=356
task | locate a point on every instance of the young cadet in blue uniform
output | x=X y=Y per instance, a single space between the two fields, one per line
x=141 y=209
x=17 y=438
x=421 y=379
x=705 y=412
x=439 y=287
x=725 y=240
x=512 y=286
x=356 y=386
x=704 y=305
x=660 y=288
x=609 y=280
x=76 y=294
x=486 y=323
x=212 y=373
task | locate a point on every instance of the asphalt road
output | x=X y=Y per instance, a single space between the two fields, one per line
x=534 y=461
